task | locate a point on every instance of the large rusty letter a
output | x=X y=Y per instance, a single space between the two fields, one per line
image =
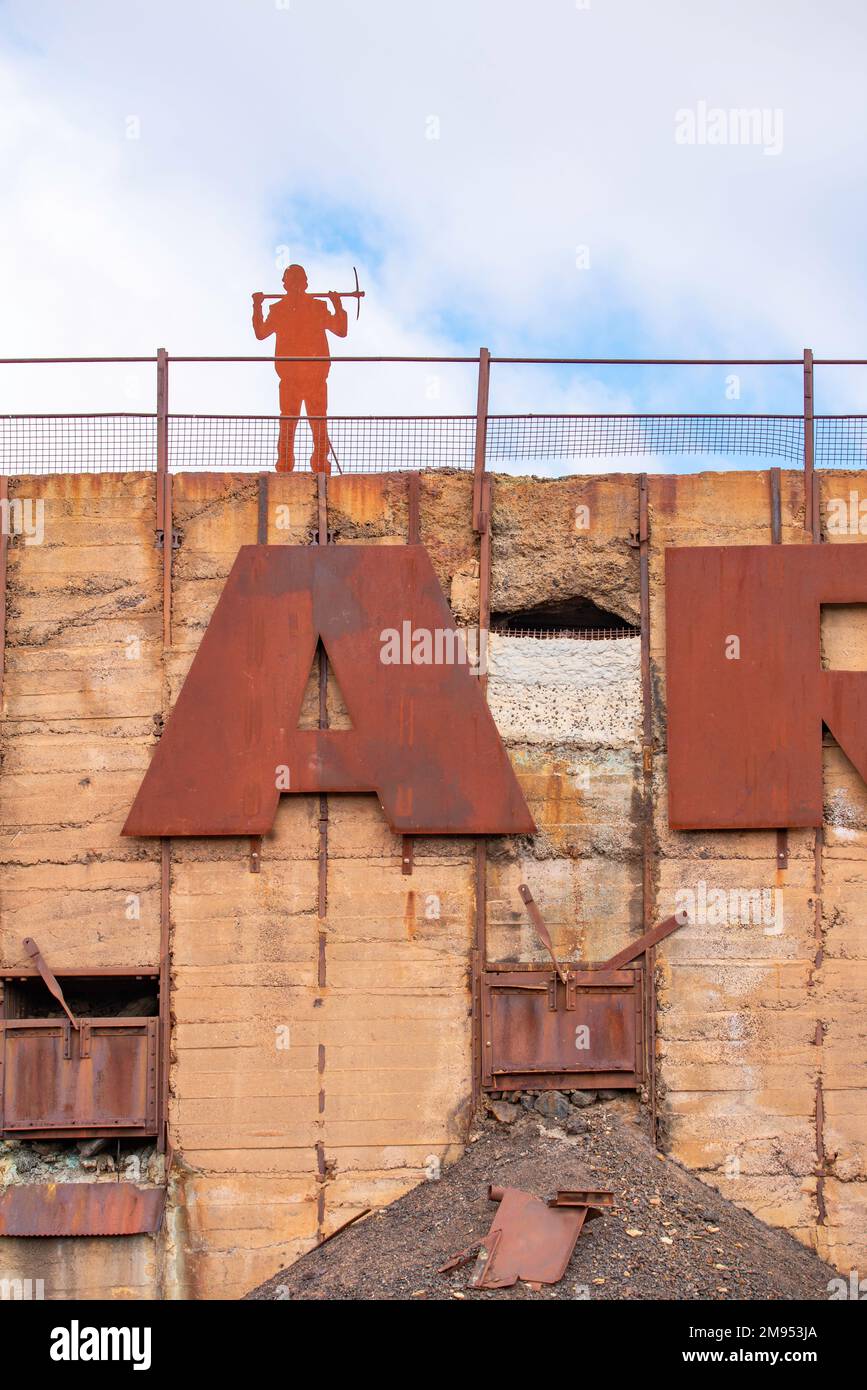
x=422 y=736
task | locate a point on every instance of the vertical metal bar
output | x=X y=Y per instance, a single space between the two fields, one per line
x=406 y=855
x=479 y=960
x=322 y=507
x=413 y=497
x=164 y=489
x=818 y=846
x=776 y=507
x=644 y=598
x=322 y=900
x=261 y=539
x=811 y=518
x=164 y=529
x=262 y=517
x=811 y=484
x=485 y=584
x=322 y=503
x=165 y=988
x=821 y=1159
x=480 y=942
x=479 y=519
x=647 y=857
x=322 y=895
x=162 y=429
x=774 y=478
x=321 y=1174
x=819 y=1038
x=413 y=537
x=168 y=548
x=821 y=1162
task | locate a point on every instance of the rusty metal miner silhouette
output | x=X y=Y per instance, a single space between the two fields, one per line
x=300 y=322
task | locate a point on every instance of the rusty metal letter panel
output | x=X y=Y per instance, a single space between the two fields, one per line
x=422 y=736
x=745 y=689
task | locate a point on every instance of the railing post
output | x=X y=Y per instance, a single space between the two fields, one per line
x=811 y=516
x=165 y=530
x=480 y=520
x=162 y=432
x=164 y=539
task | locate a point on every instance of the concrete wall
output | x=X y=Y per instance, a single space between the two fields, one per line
x=755 y=1027
x=296 y=1104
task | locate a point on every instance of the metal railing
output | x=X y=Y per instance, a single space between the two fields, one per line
x=167 y=442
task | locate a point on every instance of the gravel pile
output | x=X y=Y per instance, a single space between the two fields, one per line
x=669 y=1236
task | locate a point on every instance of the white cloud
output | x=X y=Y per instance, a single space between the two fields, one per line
x=557 y=129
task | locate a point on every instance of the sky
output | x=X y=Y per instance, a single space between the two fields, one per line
x=544 y=179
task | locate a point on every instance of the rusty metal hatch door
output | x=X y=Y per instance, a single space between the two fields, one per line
x=539 y=1032
x=62 y=1082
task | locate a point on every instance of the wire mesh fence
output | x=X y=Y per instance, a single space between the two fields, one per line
x=840 y=441
x=584 y=634
x=536 y=437
x=77 y=443
x=359 y=444
x=97 y=443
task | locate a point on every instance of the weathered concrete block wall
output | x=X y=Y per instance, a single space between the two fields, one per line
x=309 y=1084
x=762 y=1029
x=570 y=713
x=307 y=1090
x=82 y=692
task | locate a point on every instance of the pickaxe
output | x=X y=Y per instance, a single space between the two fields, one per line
x=355 y=294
